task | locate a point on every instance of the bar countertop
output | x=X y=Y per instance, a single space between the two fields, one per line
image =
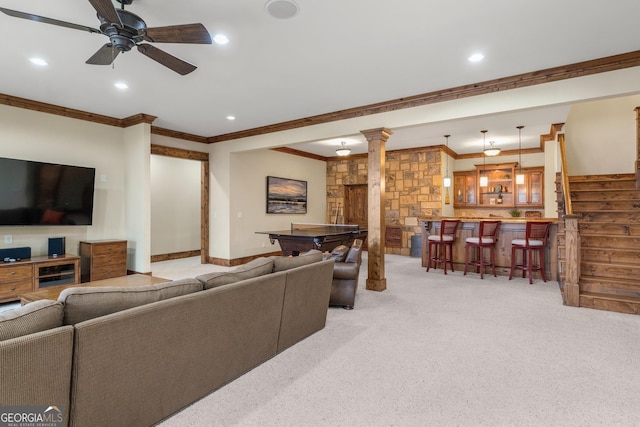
x=511 y=228
x=507 y=220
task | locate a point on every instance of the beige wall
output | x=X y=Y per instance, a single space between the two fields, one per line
x=30 y=135
x=121 y=159
x=248 y=198
x=608 y=128
x=175 y=205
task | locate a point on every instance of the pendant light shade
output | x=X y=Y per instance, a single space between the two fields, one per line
x=343 y=150
x=484 y=180
x=491 y=150
x=446 y=180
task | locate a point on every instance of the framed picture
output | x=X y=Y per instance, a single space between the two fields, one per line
x=286 y=196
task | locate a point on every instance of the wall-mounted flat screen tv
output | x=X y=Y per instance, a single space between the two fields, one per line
x=36 y=193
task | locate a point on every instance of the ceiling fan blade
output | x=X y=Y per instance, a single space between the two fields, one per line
x=169 y=61
x=107 y=10
x=104 y=56
x=188 y=33
x=37 y=18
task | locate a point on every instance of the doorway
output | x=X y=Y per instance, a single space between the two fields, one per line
x=356 y=206
x=203 y=158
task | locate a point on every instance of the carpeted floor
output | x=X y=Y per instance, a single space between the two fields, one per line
x=435 y=350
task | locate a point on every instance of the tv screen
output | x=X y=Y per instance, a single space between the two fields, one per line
x=36 y=193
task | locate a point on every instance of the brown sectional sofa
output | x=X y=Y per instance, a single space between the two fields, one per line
x=345 y=274
x=163 y=346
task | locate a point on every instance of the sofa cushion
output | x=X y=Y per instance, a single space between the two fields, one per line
x=339 y=253
x=34 y=317
x=254 y=268
x=83 y=303
x=354 y=254
x=282 y=263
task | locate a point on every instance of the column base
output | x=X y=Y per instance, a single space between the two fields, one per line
x=376 y=285
x=571 y=294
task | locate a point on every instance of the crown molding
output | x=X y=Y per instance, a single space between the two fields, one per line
x=178 y=135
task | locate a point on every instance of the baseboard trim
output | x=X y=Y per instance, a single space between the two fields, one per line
x=239 y=261
x=129 y=272
x=175 y=255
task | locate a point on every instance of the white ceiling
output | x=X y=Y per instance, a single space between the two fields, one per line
x=333 y=55
x=465 y=136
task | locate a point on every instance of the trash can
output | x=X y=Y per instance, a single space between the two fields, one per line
x=416 y=246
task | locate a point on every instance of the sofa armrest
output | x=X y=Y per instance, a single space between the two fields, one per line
x=35 y=369
x=346 y=270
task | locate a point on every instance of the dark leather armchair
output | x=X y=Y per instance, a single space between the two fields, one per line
x=345 y=277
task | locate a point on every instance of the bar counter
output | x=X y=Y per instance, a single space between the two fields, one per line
x=510 y=228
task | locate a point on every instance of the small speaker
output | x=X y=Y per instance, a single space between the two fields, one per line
x=282 y=9
x=15 y=253
x=56 y=246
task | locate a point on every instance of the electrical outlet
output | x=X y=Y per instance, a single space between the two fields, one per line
x=8 y=238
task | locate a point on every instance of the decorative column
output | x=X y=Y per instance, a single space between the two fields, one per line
x=376 y=181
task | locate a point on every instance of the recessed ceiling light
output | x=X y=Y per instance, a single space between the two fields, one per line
x=476 y=57
x=221 y=39
x=230 y=117
x=121 y=85
x=38 y=61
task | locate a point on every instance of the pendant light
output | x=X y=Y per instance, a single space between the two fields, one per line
x=492 y=150
x=343 y=150
x=446 y=181
x=484 y=180
x=519 y=175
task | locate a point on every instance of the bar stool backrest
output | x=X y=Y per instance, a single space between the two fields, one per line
x=537 y=231
x=448 y=228
x=489 y=229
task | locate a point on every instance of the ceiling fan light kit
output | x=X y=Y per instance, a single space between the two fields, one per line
x=127 y=30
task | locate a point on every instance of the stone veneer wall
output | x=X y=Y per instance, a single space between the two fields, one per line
x=413 y=183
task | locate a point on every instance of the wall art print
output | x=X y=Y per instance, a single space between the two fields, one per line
x=286 y=196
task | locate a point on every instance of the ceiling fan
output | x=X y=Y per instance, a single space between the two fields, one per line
x=126 y=30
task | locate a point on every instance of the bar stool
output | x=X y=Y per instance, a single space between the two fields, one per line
x=535 y=241
x=487 y=238
x=438 y=244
